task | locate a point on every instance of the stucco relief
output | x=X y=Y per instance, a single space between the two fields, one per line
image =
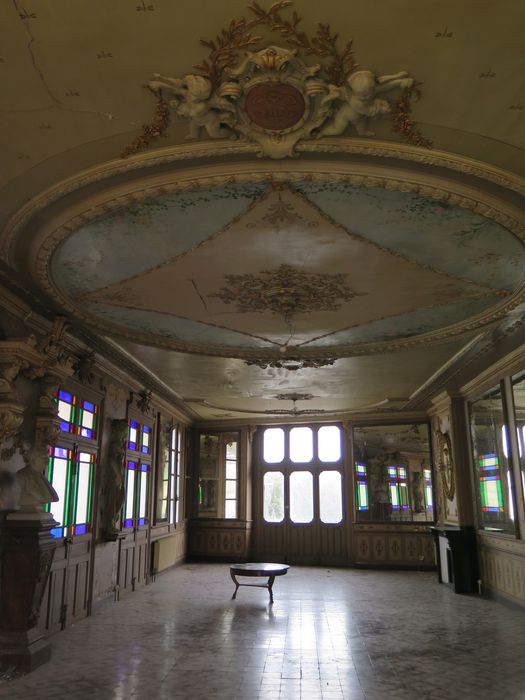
x=271 y=96
x=445 y=469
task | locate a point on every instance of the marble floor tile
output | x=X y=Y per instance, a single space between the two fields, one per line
x=338 y=634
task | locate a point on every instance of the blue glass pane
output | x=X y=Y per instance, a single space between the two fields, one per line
x=80 y=529
x=57 y=532
x=128 y=522
x=89 y=406
x=65 y=396
x=86 y=432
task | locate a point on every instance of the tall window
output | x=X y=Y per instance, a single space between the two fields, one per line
x=302 y=479
x=135 y=513
x=71 y=464
x=168 y=484
x=218 y=484
x=361 y=486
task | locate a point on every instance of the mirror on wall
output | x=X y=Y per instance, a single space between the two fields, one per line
x=218 y=471
x=490 y=445
x=393 y=473
x=518 y=388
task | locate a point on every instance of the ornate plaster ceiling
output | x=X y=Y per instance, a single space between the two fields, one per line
x=286 y=268
x=375 y=261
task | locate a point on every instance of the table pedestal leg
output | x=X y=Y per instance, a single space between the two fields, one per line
x=236 y=585
x=271 y=579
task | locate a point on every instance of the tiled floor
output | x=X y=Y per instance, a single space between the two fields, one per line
x=332 y=634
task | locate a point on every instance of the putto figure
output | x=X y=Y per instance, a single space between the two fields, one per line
x=192 y=97
x=356 y=102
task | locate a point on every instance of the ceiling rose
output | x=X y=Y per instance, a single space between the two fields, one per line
x=286 y=291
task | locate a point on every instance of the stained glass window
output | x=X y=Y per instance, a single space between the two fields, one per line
x=398 y=487
x=81 y=522
x=59 y=476
x=133 y=435
x=427 y=476
x=135 y=512
x=361 y=490
x=87 y=420
x=67 y=407
x=145 y=441
x=142 y=499
x=129 y=504
x=490 y=484
x=71 y=475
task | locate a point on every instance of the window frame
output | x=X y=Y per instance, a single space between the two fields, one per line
x=75 y=443
x=143 y=461
x=315 y=466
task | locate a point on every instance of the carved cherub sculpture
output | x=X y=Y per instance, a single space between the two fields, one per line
x=357 y=102
x=193 y=97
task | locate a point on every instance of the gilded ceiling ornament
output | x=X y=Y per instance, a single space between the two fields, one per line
x=292 y=364
x=286 y=291
x=271 y=97
x=282 y=215
x=294 y=396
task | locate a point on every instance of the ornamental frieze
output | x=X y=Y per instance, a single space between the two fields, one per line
x=275 y=96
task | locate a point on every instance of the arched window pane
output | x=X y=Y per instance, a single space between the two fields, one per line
x=330 y=497
x=273 y=446
x=301 y=445
x=301 y=497
x=273 y=499
x=329 y=437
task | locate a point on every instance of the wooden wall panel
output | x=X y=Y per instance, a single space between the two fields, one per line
x=381 y=545
x=502 y=567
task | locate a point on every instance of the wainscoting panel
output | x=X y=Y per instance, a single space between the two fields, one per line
x=391 y=545
x=221 y=539
x=502 y=567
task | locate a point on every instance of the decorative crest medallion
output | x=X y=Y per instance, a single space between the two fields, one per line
x=271 y=96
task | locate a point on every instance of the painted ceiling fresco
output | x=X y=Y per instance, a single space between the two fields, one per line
x=291 y=266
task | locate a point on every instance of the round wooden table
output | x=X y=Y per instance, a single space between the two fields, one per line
x=269 y=570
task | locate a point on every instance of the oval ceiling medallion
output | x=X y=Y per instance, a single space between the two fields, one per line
x=297 y=269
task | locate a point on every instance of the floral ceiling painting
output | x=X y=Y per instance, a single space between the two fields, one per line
x=287 y=267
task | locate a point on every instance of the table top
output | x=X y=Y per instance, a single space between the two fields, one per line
x=256 y=569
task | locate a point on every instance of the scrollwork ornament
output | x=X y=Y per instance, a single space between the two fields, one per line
x=446 y=464
x=271 y=97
